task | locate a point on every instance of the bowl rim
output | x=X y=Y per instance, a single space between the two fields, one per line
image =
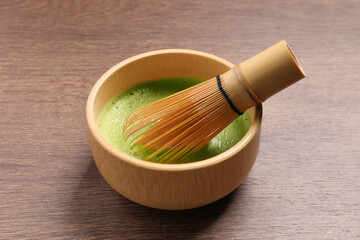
x=92 y=123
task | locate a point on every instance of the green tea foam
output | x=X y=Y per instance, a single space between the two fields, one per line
x=113 y=115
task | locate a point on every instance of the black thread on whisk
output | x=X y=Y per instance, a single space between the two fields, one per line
x=226 y=96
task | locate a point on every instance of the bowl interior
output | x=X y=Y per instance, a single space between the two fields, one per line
x=157 y=65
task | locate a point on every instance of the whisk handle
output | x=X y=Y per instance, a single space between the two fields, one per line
x=270 y=71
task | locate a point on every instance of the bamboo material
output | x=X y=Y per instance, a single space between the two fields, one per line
x=272 y=70
x=168 y=186
x=181 y=124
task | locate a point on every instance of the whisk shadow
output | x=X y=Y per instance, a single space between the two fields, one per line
x=98 y=211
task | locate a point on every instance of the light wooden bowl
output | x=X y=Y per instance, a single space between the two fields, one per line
x=168 y=186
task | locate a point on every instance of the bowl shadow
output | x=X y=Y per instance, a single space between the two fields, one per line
x=98 y=211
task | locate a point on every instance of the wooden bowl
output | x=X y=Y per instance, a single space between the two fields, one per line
x=168 y=186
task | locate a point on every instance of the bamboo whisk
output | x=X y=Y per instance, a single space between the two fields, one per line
x=174 y=127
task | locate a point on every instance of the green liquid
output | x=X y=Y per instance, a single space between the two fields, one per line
x=112 y=117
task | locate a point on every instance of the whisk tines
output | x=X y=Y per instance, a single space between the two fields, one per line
x=172 y=128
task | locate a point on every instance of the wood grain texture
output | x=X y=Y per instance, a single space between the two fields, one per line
x=306 y=181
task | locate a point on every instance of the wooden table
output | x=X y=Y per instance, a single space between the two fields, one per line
x=305 y=183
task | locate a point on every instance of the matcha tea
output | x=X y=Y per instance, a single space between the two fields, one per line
x=112 y=117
